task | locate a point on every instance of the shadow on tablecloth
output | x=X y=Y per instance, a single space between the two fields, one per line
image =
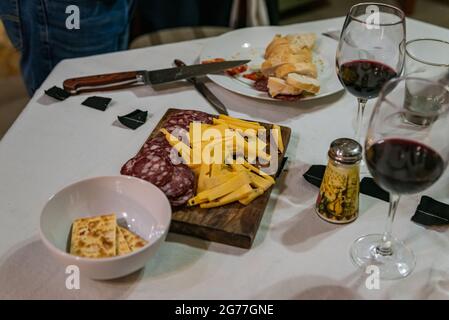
x=28 y=271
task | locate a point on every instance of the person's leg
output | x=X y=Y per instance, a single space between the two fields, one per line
x=45 y=40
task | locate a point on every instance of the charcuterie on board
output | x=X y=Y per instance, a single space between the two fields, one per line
x=221 y=201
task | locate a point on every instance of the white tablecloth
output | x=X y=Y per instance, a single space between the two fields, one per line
x=295 y=254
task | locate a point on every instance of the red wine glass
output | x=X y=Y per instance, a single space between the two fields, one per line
x=406 y=151
x=370 y=52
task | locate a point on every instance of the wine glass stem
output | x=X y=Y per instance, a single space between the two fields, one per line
x=385 y=247
x=360 y=111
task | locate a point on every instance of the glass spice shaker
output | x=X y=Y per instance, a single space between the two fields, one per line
x=338 y=200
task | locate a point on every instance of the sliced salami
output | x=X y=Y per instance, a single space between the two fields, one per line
x=185 y=117
x=127 y=168
x=182 y=181
x=156 y=146
x=152 y=167
x=261 y=84
x=179 y=201
x=157 y=142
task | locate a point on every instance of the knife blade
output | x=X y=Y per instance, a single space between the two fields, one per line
x=205 y=92
x=333 y=34
x=120 y=80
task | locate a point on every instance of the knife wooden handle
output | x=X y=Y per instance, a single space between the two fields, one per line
x=103 y=82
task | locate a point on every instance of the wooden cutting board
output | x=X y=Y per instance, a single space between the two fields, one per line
x=233 y=224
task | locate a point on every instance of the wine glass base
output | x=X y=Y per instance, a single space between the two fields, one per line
x=399 y=264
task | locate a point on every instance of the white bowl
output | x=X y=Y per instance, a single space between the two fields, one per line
x=144 y=207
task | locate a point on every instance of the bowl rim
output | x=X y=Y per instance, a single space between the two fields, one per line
x=49 y=244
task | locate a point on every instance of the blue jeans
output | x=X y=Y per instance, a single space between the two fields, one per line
x=37 y=28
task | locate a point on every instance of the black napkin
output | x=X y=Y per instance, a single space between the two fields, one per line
x=57 y=93
x=315 y=174
x=96 y=102
x=429 y=212
x=134 y=119
x=371 y=188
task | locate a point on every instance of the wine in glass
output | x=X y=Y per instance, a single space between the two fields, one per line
x=404 y=158
x=370 y=52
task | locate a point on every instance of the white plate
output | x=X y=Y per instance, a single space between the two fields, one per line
x=250 y=43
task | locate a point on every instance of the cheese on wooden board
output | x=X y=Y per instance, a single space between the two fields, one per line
x=213 y=182
x=258 y=171
x=253 y=195
x=203 y=177
x=94 y=237
x=214 y=144
x=240 y=122
x=236 y=195
x=219 y=191
x=277 y=136
x=259 y=182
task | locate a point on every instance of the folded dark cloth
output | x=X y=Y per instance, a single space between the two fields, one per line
x=429 y=212
x=96 y=102
x=371 y=188
x=315 y=174
x=57 y=93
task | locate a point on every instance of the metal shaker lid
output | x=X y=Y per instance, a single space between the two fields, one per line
x=345 y=150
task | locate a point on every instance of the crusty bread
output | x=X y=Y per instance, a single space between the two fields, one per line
x=304 y=55
x=304 y=83
x=270 y=65
x=304 y=68
x=268 y=69
x=295 y=43
x=301 y=41
x=278 y=41
x=290 y=58
x=278 y=86
x=284 y=56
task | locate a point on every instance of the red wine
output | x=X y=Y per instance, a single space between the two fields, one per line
x=365 y=78
x=403 y=166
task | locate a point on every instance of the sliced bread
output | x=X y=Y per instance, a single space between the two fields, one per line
x=303 y=68
x=278 y=86
x=304 y=83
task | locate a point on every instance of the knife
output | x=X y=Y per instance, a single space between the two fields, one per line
x=120 y=80
x=333 y=34
x=202 y=88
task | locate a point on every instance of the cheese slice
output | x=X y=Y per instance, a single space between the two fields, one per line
x=203 y=177
x=122 y=245
x=240 y=122
x=212 y=182
x=134 y=241
x=94 y=237
x=259 y=182
x=241 y=193
x=277 y=136
x=253 y=195
x=258 y=171
x=241 y=178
